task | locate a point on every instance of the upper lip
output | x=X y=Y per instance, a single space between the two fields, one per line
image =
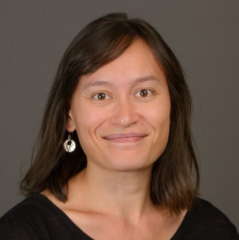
x=124 y=135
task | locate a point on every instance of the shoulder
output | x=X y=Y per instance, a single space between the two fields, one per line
x=38 y=218
x=28 y=220
x=31 y=208
x=205 y=212
x=208 y=222
x=15 y=223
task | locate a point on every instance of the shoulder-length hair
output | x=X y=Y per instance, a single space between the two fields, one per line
x=173 y=182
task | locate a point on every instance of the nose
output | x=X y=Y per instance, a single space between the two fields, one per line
x=124 y=113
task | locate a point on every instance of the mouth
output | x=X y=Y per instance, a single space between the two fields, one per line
x=125 y=137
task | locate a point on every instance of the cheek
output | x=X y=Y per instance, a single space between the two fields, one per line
x=159 y=114
x=159 y=119
x=88 y=119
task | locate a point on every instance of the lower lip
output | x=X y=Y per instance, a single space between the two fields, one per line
x=125 y=140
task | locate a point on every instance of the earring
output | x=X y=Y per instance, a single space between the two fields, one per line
x=69 y=145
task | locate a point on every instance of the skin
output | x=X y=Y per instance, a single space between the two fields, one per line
x=121 y=114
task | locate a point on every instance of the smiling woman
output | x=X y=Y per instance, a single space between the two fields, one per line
x=123 y=122
x=121 y=105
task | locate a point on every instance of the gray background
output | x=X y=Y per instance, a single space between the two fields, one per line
x=204 y=36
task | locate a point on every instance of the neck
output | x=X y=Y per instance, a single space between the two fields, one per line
x=123 y=194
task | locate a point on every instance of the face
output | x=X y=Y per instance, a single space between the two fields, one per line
x=121 y=112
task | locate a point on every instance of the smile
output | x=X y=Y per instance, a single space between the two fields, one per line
x=125 y=137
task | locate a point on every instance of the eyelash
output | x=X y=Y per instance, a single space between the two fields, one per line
x=149 y=92
x=97 y=94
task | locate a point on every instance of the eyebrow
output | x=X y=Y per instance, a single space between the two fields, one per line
x=106 y=83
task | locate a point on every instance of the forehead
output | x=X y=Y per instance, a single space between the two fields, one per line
x=136 y=62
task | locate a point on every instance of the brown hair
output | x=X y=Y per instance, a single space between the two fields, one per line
x=99 y=43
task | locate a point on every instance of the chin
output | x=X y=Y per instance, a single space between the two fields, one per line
x=128 y=164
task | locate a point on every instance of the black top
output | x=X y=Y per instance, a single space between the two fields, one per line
x=37 y=218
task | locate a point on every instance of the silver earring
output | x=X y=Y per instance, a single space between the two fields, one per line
x=69 y=145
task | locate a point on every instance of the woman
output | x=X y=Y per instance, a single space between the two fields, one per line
x=115 y=157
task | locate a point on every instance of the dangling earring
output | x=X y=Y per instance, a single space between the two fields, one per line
x=69 y=145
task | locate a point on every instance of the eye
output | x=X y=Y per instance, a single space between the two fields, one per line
x=143 y=93
x=101 y=96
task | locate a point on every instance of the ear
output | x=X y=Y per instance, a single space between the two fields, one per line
x=70 y=126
